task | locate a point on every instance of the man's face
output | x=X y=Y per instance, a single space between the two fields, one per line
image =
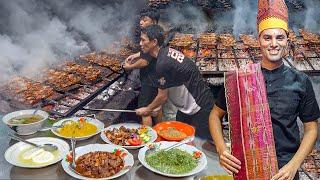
x=145 y=21
x=145 y=43
x=273 y=43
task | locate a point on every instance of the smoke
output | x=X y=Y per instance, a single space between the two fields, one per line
x=245 y=15
x=38 y=33
x=312 y=17
x=189 y=18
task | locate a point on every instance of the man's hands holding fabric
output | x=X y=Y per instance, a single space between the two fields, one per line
x=229 y=163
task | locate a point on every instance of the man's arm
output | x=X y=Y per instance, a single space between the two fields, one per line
x=136 y=65
x=308 y=141
x=132 y=57
x=230 y=163
x=160 y=99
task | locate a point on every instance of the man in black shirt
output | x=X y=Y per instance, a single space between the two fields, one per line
x=290 y=95
x=146 y=64
x=179 y=80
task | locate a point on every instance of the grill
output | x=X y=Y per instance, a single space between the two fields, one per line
x=66 y=88
x=216 y=54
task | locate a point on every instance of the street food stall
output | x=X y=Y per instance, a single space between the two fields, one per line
x=93 y=97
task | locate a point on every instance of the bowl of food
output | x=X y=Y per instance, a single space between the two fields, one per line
x=98 y=161
x=80 y=128
x=128 y=135
x=174 y=130
x=183 y=161
x=25 y=122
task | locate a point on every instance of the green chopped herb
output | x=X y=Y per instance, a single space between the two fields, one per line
x=174 y=161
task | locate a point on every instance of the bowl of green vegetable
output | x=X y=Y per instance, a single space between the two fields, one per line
x=25 y=122
x=185 y=160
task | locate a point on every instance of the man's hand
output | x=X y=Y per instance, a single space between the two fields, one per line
x=287 y=172
x=144 y=111
x=229 y=163
x=132 y=57
x=156 y=111
x=127 y=66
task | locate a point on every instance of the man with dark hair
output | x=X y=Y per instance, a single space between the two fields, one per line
x=179 y=80
x=147 y=17
x=146 y=64
x=290 y=95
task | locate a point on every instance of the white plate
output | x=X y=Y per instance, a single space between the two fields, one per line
x=128 y=159
x=202 y=163
x=13 y=152
x=96 y=122
x=151 y=132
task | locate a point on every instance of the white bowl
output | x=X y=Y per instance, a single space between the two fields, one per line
x=93 y=121
x=128 y=159
x=25 y=129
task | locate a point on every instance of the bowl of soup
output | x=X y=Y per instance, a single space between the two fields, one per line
x=25 y=122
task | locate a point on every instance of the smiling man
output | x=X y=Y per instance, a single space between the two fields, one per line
x=180 y=81
x=290 y=95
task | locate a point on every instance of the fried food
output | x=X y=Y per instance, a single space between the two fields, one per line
x=99 y=164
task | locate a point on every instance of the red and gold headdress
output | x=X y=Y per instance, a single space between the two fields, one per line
x=272 y=14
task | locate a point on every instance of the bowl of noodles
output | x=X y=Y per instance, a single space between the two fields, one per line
x=80 y=128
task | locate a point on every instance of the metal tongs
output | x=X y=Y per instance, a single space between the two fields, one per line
x=110 y=110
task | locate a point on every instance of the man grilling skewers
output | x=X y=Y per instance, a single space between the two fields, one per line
x=178 y=80
x=146 y=64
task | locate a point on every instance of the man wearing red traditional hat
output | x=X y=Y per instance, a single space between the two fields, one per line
x=289 y=93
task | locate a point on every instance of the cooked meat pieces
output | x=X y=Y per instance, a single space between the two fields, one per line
x=249 y=40
x=310 y=37
x=99 y=164
x=61 y=79
x=25 y=90
x=120 y=136
x=104 y=60
x=183 y=40
x=227 y=40
x=208 y=40
x=88 y=72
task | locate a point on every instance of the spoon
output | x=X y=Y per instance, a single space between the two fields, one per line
x=46 y=147
x=73 y=147
x=184 y=141
x=72 y=166
x=60 y=126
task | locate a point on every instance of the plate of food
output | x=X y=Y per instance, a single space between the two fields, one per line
x=79 y=127
x=99 y=161
x=174 y=130
x=185 y=160
x=27 y=156
x=26 y=122
x=129 y=135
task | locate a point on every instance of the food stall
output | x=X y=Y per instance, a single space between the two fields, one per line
x=77 y=89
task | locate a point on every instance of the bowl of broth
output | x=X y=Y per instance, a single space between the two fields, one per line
x=25 y=122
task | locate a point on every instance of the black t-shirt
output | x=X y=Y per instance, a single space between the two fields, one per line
x=148 y=75
x=187 y=89
x=290 y=95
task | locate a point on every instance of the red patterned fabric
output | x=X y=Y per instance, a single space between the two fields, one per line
x=250 y=123
x=272 y=8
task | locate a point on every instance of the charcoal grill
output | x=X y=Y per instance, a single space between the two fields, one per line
x=57 y=106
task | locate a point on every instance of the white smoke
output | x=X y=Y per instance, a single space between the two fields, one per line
x=312 y=17
x=244 y=18
x=188 y=15
x=38 y=33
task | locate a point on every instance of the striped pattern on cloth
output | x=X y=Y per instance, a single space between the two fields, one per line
x=249 y=116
